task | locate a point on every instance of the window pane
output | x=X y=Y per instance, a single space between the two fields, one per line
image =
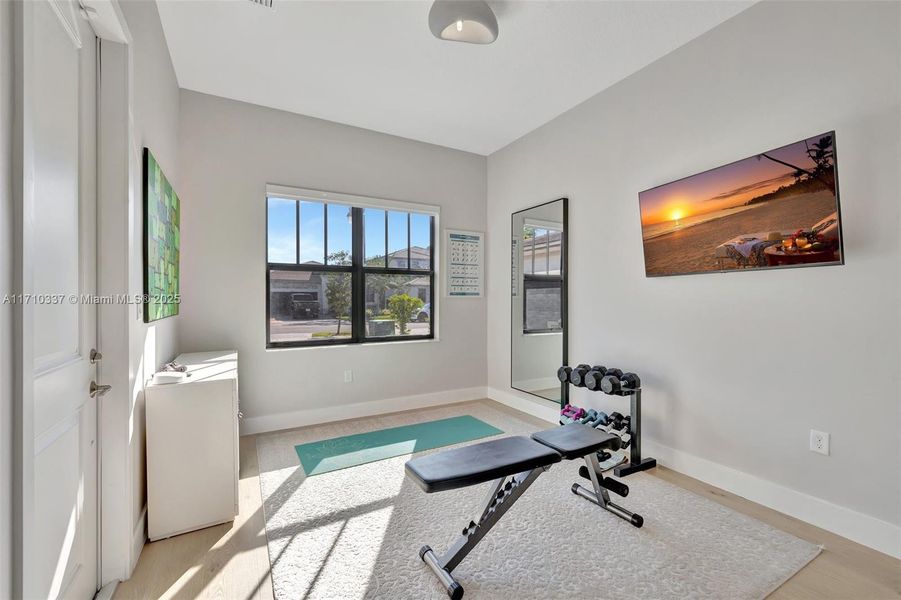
x=374 y=237
x=397 y=240
x=542 y=303
x=282 y=225
x=540 y=250
x=309 y=305
x=555 y=239
x=420 y=241
x=398 y=305
x=340 y=248
x=528 y=237
x=312 y=232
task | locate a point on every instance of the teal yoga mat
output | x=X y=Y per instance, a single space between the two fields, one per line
x=361 y=448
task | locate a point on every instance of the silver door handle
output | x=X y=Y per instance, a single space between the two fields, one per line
x=99 y=390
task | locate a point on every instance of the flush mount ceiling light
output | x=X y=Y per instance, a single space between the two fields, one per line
x=469 y=21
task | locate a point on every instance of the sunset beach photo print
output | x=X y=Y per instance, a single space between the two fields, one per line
x=778 y=208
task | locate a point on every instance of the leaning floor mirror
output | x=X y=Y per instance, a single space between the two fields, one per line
x=538 y=311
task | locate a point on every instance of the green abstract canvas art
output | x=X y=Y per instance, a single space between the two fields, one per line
x=161 y=243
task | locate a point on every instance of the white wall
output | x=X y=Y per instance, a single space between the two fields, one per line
x=155 y=110
x=6 y=286
x=229 y=152
x=710 y=347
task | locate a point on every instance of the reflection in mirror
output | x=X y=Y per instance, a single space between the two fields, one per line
x=538 y=325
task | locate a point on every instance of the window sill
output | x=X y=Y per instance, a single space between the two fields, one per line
x=353 y=345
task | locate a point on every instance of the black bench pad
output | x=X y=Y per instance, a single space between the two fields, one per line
x=576 y=440
x=478 y=463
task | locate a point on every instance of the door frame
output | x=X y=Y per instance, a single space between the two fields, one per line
x=121 y=540
x=108 y=23
x=23 y=314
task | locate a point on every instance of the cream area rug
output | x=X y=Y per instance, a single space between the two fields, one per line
x=355 y=533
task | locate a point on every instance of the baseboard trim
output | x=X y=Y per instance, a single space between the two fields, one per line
x=107 y=591
x=863 y=529
x=542 y=383
x=858 y=527
x=138 y=537
x=544 y=410
x=316 y=416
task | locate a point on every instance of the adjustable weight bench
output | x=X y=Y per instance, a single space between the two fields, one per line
x=512 y=464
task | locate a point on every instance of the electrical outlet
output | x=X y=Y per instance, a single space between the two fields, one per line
x=348 y=376
x=819 y=442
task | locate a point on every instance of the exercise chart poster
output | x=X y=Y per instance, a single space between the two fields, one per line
x=465 y=263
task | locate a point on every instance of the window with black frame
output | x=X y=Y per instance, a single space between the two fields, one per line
x=542 y=280
x=339 y=274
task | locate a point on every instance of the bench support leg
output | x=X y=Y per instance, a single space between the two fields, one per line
x=600 y=496
x=454 y=589
x=502 y=494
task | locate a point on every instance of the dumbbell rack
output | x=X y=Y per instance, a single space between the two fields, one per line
x=636 y=462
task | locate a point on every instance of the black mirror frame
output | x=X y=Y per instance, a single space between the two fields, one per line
x=564 y=270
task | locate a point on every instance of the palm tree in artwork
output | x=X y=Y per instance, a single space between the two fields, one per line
x=822 y=154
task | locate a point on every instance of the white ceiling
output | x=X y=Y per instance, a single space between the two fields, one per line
x=374 y=64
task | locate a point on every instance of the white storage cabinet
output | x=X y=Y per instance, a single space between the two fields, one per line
x=192 y=446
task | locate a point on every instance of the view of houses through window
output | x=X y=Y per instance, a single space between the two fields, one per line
x=320 y=292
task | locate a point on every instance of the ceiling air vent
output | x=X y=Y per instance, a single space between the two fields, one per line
x=266 y=3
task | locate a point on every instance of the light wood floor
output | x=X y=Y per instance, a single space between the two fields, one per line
x=232 y=562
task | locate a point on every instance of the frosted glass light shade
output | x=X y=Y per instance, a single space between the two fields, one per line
x=470 y=21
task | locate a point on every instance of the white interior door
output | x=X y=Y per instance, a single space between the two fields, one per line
x=60 y=123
